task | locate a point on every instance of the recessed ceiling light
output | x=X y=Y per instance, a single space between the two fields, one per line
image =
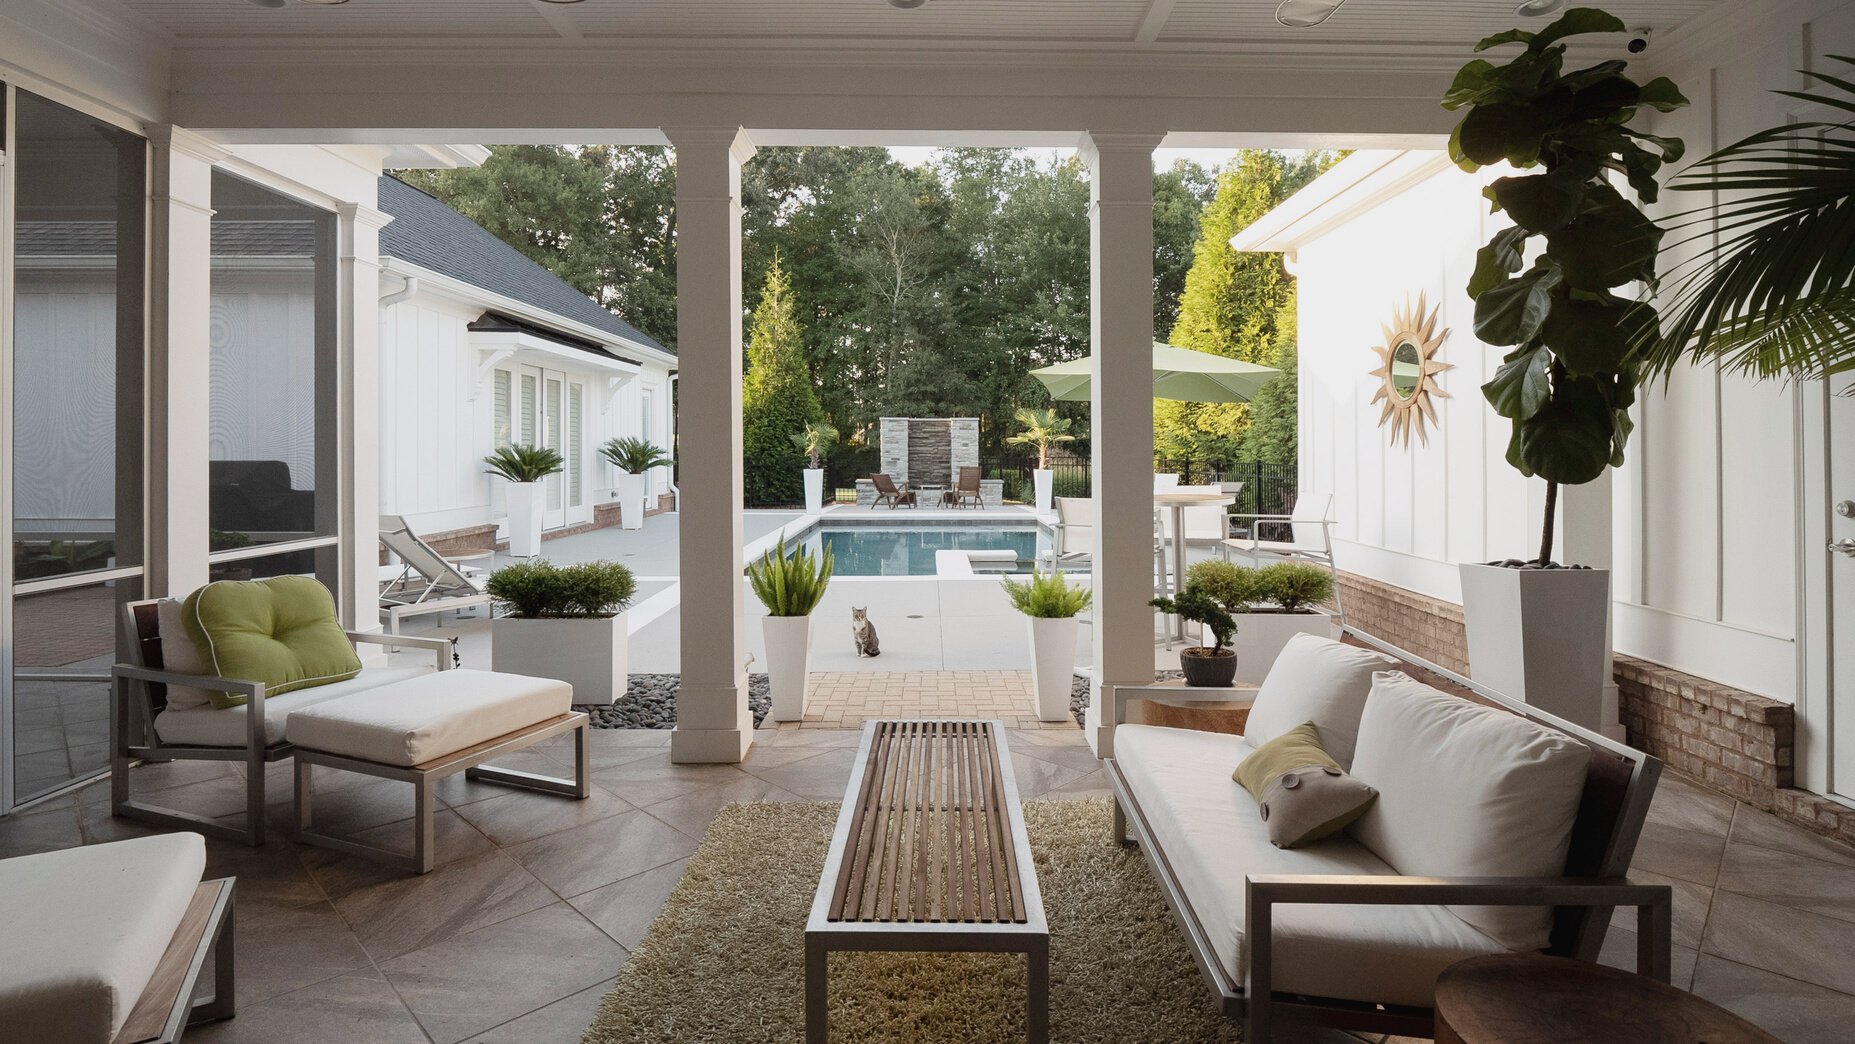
x=1305 y=14
x=328 y=3
x=562 y=1
x=906 y=5
x=266 y=3
x=1537 y=8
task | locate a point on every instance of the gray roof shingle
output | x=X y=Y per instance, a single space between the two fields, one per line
x=426 y=232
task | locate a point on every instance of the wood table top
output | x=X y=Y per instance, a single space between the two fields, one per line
x=1534 y=999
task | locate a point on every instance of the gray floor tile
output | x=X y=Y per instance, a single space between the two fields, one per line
x=1071 y=756
x=1034 y=776
x=1687 y=806
x=1088 y=786
x=285 y=948
x=1790 y=942
x=587 y=857
x=820 y=778
x=1768 y=831
x=1800 y=882
x=412 y=912
x=1691 y=855
x=454 y=840
x=1793 y=1011
x=464 y=986
x=520 y=816
x=691 y=813
x=563 y=1020
x=45 y=832
x=1691 y=905
x=625 y=909
x=646 y=781
x=456 y=790
x=361 y=1007
x=1620 y=952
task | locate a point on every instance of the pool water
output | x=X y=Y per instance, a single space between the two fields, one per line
x=909 y=551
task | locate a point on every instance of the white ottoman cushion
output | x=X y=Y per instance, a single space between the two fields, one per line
x=1466 y=790
x=1319 y=680
x=208 y=726
x=412 y=722
x=83 y=931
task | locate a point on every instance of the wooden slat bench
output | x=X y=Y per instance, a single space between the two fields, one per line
x=929 y=854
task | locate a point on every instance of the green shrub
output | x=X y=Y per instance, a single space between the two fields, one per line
x=1295 y=586
x=1234 y=587
x=1196 y=605
x=539 y=588
x=791 y=585
x=634 y=456
x=524 y=463
x=1047 y=596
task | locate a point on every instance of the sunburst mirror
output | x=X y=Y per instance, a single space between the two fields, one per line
x=1407 y=370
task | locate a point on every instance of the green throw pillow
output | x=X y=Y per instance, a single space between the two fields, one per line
x=281 y=631
x=1300 y=792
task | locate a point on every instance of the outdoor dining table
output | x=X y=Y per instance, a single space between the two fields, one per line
x=1178 y=502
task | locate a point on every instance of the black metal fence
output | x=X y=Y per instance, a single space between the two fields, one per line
x=1268 y=489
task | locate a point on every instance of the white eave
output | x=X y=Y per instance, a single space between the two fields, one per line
x=435 y=157
x=1351 y=187
x=475 y=296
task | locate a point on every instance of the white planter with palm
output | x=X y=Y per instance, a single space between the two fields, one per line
x=1042 y=429
x=790 y=586
x=1051 y=608
x=633 y=457
x=525 y=468
x=564 y=622
x=816 y=442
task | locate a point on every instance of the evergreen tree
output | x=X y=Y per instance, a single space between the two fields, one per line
x=777 y=399
x=1271 y=437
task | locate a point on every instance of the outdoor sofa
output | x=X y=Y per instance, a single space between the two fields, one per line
x=1495 y=830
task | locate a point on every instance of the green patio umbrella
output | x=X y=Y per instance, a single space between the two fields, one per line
x=1178 y=373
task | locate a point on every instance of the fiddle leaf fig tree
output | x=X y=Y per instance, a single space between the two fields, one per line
x=1569 y=376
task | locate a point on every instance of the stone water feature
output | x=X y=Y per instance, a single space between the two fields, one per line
x=922 y=451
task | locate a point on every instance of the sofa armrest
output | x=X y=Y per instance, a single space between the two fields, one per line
x=438 y=647
x=253 y=691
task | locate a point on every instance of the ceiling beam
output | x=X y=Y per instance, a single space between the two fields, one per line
x=1153 y=22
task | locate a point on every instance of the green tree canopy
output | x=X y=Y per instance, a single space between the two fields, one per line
x=777 y=400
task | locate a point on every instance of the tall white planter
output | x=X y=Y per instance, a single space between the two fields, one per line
x=1041 y=482
x=788 y=664
x=814 y=490
x=1538 y=635
x=525 y=504
x=1261 y=637
x=630 y=500
x=588 y=653
x=1053 y=664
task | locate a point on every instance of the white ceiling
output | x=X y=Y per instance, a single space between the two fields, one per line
x=941 y=24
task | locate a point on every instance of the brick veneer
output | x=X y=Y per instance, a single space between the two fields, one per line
x=1740 y=744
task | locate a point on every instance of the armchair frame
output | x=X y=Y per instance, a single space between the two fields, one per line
x=138 y=692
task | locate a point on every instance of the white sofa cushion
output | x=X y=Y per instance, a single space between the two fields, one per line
x=1467 y=790
x=181 y=655
x=209 y=726
x=1319 y=680
x=412 y=722
x=1213 y=836
x=84 y=930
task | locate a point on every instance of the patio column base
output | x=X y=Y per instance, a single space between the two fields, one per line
x=709 y=746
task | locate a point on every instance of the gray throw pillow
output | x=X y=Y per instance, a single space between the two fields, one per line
x=1306 y=804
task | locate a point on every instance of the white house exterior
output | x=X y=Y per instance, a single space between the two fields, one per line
x=481 y=347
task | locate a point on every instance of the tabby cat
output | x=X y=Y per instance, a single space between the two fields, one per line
x=863 y=632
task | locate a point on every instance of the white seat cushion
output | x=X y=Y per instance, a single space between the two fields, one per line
x=84 y=930
x=412 y=722
x=210 y=727
x=1467 y=790
x=1319 y=680
x=1213 y=837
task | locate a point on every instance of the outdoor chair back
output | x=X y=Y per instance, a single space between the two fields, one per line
x=437 y=578
x=967 y=487
x=1075 y=527
x=886 y=489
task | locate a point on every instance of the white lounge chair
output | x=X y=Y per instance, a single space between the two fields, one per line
x=427 y=582
x=1310 y=540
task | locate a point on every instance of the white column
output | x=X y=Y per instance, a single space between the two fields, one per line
x=1121 y=425
x=180 y=358
x=713 y=723
x=1586 y=528
x=356 y=409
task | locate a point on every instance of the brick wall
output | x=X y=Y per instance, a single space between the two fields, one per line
x=1418 y=624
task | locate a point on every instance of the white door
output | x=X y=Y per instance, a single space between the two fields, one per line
x=550 y=411
x=1840 y=584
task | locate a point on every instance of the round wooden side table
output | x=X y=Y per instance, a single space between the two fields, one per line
x=1532 y=999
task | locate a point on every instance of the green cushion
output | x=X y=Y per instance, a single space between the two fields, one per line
x=281 y=631
x=1296 y=748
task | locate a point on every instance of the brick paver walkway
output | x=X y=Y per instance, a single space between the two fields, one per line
x=842 y=700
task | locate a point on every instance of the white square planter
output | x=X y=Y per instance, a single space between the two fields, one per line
x=630 y=500
x=1053 y=664
x=788 y=664
x=814 y=490
x=1261 y=636
x=1043 y=489
x=1538 y=636
x=525 y=504
x=588 y=653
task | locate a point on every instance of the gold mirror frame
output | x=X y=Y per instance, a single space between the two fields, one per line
x=1415 y=327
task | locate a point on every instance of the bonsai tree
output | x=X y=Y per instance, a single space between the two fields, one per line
x=1042 y=429
x=1047 y=596
x=791 y=585
x=816 y=442
x=525 y=463
x=1195 y=604
x=1570 y=376
x=1768 y=290
x=634 y=456
x=539 y=589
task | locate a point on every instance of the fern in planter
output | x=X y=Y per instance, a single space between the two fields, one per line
x=1047 y=596
x=634 y=456
x=525 y=463
x=539 y=589
x=791 y=585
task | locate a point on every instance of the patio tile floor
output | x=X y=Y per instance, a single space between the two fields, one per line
x=518 y=934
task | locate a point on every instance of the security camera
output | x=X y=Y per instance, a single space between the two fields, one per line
x=1639 y=40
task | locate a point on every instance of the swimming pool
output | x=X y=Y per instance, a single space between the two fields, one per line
x=908 y=550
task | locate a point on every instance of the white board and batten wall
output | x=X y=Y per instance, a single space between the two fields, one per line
x=438 y=414
x=1707 y=510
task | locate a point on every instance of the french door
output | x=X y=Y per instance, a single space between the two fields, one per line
x=550 y=408
x=1839 y=584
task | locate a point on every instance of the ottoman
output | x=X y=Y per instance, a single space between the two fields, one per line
x=423 y=729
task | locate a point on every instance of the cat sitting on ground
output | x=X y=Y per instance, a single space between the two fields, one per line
x=863 y=632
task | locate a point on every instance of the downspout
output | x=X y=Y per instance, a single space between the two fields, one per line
x=404 y=292
x=671 y=482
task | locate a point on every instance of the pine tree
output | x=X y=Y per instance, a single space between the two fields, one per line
x=777 y=398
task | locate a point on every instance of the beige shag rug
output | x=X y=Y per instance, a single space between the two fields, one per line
x=724 y=961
